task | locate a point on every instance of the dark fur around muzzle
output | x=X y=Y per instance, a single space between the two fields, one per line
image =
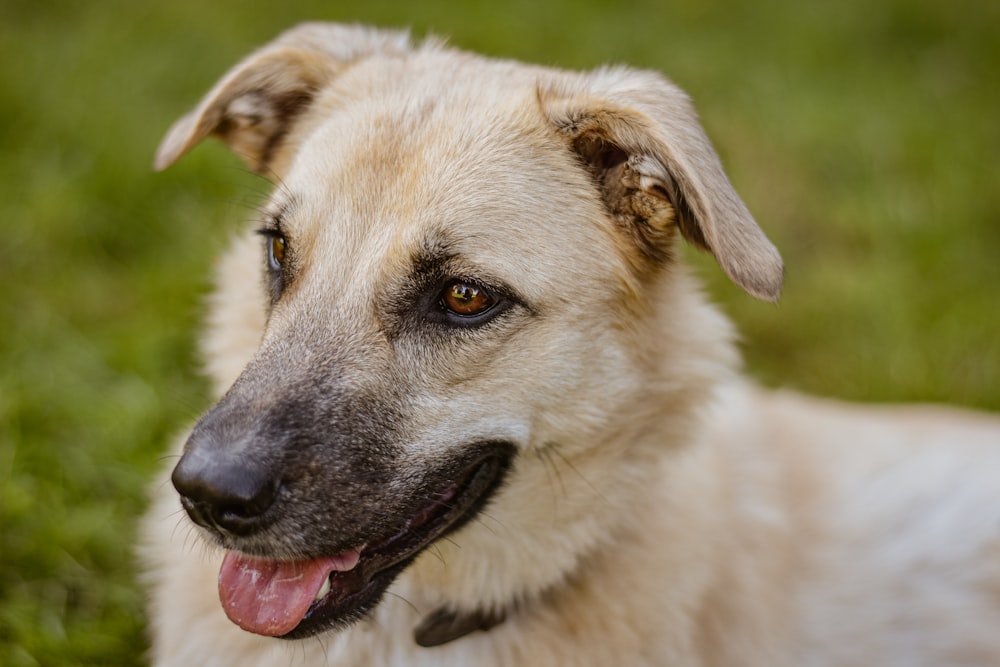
x=291 y=468
x=309 y=478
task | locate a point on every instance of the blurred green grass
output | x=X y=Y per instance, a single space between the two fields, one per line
x=864 y=136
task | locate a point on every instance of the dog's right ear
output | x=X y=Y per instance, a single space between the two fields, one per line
x=253 y=106
x=639 y=136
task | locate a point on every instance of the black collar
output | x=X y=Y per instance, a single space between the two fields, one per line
x=443 y=625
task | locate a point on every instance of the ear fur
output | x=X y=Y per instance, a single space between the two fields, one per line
x=253 y=106
x=641 y=139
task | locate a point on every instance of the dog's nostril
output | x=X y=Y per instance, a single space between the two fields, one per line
x=229 y=495
x=194 y=512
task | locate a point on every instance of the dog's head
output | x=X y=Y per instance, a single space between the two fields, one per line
x=467 y=290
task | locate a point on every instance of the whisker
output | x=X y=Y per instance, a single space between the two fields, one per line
x=435 y=549
x=555 y=451
x=486 y=515
x=323 y=646
x=551 y=468
x=408 y=603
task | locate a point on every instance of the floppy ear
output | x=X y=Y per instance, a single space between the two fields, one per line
x=639 y=136
x=253 y=106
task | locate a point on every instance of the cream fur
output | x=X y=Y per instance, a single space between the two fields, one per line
x=662 y=511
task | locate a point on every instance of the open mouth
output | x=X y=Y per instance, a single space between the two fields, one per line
x=295 y=599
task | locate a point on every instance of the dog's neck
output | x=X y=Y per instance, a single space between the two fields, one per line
x=443 y=625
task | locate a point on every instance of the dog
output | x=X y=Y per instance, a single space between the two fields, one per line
x=473 y=410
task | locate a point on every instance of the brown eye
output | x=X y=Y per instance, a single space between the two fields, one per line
x=465 y=299
x=276 y=252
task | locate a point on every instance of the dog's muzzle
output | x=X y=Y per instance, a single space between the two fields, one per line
x=316 y=530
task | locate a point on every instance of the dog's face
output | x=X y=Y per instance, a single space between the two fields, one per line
x=458 y=269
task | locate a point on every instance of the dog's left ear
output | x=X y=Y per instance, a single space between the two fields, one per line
x=253 y=106
x=639 y=136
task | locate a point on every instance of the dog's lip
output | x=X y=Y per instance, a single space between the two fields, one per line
x=355 y=590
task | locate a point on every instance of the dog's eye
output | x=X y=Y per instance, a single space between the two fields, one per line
x=466 y=299
x=276 y=252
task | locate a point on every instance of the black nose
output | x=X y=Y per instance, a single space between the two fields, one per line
x=224 y=490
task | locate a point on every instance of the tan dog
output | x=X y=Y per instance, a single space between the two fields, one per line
x=474 y=412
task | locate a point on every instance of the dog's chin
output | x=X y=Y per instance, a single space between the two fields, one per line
x=332 y=592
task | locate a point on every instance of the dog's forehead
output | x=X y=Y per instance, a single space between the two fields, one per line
x=441 y=157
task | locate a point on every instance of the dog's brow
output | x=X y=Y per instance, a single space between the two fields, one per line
x=432 y=255
x=437 y=260
x=275 y=213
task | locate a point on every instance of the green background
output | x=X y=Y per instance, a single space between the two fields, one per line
x=863 y=135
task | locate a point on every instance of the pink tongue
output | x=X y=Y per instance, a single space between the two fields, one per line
x=271 y=597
